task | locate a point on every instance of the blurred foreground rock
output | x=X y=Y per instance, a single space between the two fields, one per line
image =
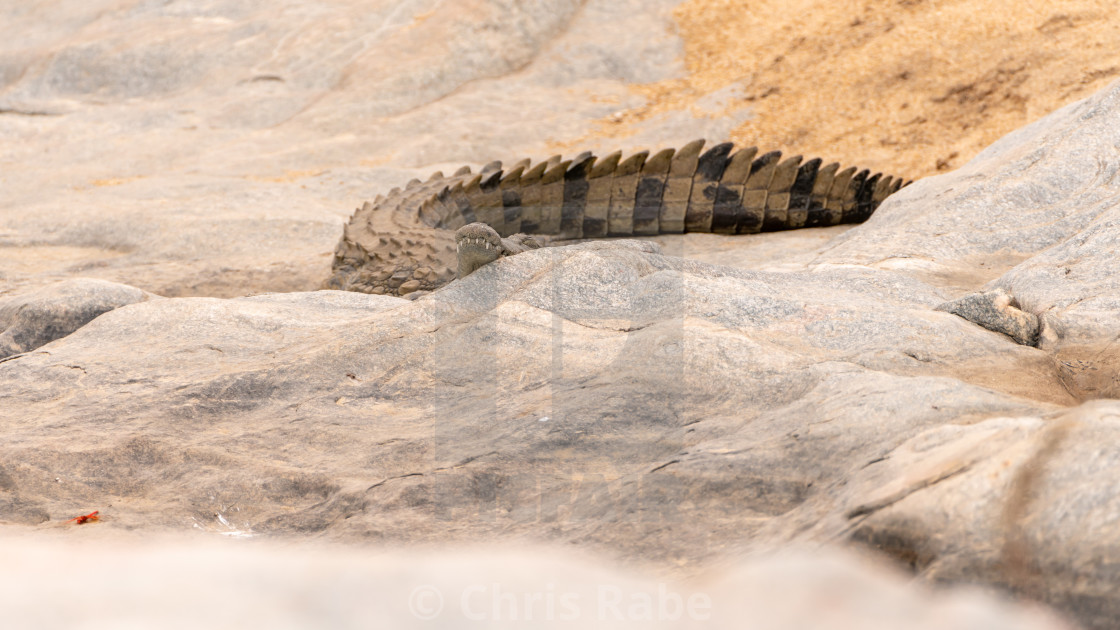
x=177 y=585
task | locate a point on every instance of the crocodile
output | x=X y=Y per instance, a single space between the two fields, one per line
x=404 y=243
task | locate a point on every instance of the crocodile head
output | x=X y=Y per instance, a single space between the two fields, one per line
x=477 y=245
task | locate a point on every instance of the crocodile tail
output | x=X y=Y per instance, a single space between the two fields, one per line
x=403 y=242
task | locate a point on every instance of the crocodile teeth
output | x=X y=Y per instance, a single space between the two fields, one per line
x=477 y=242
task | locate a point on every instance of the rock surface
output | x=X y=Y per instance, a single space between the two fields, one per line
x=216 y=148
x=632 y=402
x=30 y=320
x=667 y=411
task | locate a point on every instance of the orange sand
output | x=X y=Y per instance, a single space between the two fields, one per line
x=911 y=87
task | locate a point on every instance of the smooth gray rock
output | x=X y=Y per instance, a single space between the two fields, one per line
x=1023 y=502
x=1045 y=185
x=1034 y=216
x=33 y=319
x=599 y=393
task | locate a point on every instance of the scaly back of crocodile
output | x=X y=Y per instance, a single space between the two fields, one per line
x=403 y=243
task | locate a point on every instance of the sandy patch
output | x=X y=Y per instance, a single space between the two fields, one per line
x=913 y=87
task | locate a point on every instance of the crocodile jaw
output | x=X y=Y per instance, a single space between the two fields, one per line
x=477 y=245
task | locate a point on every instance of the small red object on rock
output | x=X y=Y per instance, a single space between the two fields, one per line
x=85 y=518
